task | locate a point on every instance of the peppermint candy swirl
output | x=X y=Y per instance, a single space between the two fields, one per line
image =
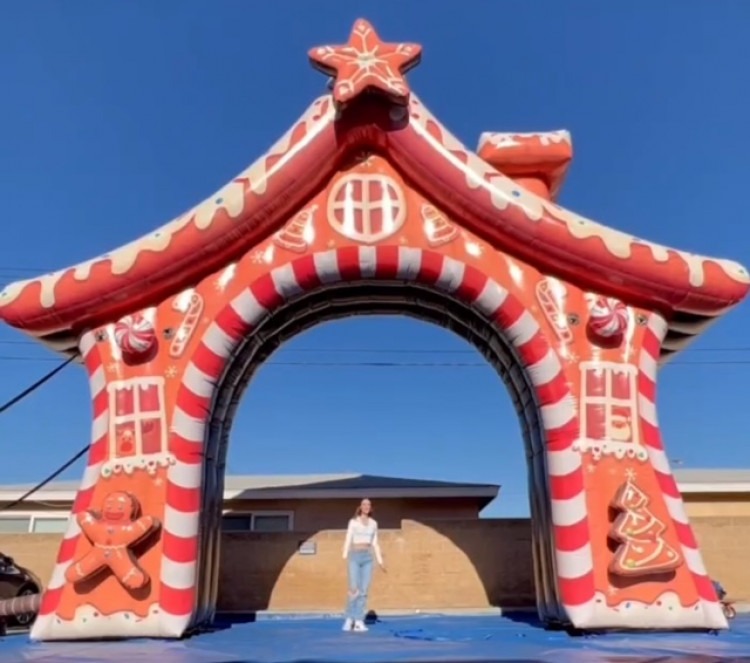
x=135 y=335
x=608 y=318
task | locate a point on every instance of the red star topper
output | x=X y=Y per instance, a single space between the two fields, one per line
x=366 y=63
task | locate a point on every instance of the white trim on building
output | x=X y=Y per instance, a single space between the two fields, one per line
x=56 y=522
x=707 y=481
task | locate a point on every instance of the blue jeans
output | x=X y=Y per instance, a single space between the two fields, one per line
x=360 y=576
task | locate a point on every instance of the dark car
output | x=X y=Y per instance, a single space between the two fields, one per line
x=17 y=581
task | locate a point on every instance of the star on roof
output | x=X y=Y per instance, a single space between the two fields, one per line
x=366 y=63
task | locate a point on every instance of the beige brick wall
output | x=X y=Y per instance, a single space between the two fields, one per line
x=36 y=552
x=435 y=565
x=725 y=544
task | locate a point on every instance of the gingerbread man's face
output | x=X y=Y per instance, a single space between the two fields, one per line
x=125 y=441
x=118 y=507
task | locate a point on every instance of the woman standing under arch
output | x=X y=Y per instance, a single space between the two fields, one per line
x=360 y=546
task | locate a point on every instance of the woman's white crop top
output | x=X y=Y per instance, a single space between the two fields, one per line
x=359 y=533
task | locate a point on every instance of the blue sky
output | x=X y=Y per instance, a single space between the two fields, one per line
x=118 y=116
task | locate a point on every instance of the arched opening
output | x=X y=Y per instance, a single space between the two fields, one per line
x=438 y=303
x=363 y=299
x=401 y=411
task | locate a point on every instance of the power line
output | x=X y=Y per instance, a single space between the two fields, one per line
x=400 y=364
x=373 y=351
x=20 y=396
x=46 y=480
x=446 y=364
x=366 y=351
x=395 y=351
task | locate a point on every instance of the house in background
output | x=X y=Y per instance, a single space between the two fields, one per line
x=714 y=493
x=280 y=503
x=283 y=535
x=313 y=502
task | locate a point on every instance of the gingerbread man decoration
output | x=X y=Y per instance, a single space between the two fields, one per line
x=111 y=533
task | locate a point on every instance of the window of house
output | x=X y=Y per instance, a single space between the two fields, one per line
x=262 y=521
x=237 y=523
x=34 y=523
x=266 y=522
x=49 y=525
x=15 y=524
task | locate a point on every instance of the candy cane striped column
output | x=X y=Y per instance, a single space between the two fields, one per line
x=573 y=554
x=656 y=329
x=97 y=452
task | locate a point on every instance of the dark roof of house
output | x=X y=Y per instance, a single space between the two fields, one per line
x=332 y=486
x=305 y=486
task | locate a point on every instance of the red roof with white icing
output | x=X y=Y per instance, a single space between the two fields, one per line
x=394 y=122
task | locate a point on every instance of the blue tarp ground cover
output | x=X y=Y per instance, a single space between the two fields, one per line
x=395 y=640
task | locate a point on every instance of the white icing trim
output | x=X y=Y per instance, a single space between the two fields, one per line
x=504 y=139
x=504 y=192
x=620 y=450
x=148 y=462
x=230 y=198
x=88 y=623
x=668 y=614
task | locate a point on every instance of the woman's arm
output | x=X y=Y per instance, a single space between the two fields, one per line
x=376 y=546
x=348 y=539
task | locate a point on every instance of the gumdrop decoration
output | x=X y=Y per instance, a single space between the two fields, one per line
x=608 y=319
x=135 y=336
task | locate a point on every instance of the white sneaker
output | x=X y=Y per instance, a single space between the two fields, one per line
x=348 y=623
x=360 y=626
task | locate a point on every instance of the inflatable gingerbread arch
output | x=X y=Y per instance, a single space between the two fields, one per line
x=369 y=204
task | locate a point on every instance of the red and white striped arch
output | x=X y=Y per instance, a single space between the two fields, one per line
x=182 y=516
x=97 y=452
x=241 y=316
x=712 y=613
